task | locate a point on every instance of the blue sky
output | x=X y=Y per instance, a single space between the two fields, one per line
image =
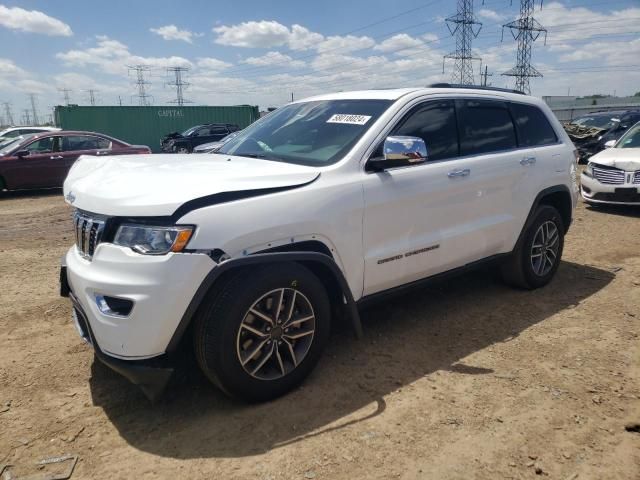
x=258 y=52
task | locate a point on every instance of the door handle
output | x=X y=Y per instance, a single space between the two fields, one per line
x=459 y=173
x=56 y=157
x=528 y=161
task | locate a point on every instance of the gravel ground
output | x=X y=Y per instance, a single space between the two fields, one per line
x=465 y=379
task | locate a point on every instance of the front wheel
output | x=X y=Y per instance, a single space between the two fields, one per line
x=535 y=261
x=262 y=332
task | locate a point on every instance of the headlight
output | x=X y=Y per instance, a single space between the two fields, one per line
x=152 y=240
x=589 y=170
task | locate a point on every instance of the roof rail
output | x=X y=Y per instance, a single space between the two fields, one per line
x=474 y=87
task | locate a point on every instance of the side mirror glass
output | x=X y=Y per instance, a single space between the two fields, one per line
x=610 y=144
x=23 y=153
x=400 y=151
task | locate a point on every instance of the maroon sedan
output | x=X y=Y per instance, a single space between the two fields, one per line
x=42 y=160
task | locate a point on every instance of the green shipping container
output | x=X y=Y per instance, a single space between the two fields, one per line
x=147 y=125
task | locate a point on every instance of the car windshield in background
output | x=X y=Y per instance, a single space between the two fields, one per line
x=8 y=146
x=189 y=131
x=600 y=121
x=310 y=133
x=631 y=139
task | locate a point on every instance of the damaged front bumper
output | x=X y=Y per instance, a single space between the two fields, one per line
x=151 y=375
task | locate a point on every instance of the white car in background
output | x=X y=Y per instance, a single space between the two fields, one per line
x=14 y=132
x=613 y=175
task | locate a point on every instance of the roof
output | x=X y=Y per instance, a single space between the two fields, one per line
x=396 y=93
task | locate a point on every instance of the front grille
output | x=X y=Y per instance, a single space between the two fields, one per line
x=88 y=233
x=609 y=176
x=636 y=177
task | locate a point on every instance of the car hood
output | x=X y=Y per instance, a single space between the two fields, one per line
x=625 y=158
x=157 y=185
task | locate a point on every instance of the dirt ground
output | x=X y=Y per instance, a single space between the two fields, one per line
x=466 y=379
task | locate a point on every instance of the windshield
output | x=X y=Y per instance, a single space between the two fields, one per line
x=631 y=139
x=6 y=147
x=599 y=121
x=311 y=133
x=189 y=131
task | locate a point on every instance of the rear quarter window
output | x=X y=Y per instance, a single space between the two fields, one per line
x=533 y=126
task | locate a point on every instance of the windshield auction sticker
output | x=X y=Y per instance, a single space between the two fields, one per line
x=349 y=119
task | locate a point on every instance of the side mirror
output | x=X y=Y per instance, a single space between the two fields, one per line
x=399 y=151
x=23 y=153
x=610 y=144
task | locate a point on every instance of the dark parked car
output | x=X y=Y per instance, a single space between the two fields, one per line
x=42 y=160
x=590 y=132
x=213 y=147
x=186 y=141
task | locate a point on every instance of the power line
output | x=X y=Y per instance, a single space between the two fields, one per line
x=179 y=84
x=34 y=110
x=464 y=26
x=528 y=30
x=7 y=112
x=144 y=99
x=92 y=96
x=66 y=93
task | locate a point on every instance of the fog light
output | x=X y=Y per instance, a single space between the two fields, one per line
x=113 y=306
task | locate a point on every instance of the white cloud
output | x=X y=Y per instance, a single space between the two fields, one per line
x=34 y=21
x=274 y=58
x=431 y=37
x=488 y=14
x=302 y=38
x=584 y=22
x=398 y=42
x=171 y=32
x=112 y=56
x=265 y=34
x=345 y=44
x=209 y=63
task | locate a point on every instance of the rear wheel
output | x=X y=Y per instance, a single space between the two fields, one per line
x=535 y=261
x=262 y=332
x=180 y=149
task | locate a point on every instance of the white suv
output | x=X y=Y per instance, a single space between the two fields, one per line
x=247 y=255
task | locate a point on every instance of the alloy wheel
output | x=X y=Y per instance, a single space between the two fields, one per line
x=544 y=250
x=276 y=334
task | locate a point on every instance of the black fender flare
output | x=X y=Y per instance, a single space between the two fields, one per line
x=260 y=259
x=536 y=202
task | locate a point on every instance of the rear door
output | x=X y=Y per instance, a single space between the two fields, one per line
x=542 y=157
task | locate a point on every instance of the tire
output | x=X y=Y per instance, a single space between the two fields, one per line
x=529 y=266
x=180 y=150
x=255 y=367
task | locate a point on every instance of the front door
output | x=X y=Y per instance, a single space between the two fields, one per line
x=42 y=167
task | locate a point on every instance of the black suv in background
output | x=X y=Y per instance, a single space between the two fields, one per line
x=192 y=137
x=590 y=132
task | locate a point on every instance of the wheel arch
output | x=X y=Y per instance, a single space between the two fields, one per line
x=557 y=196
x=317 y=260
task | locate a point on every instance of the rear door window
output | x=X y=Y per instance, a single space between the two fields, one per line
x=74 y=143
x=104 y=143
x=533 y=126
x=485 y=126
x=435 y=123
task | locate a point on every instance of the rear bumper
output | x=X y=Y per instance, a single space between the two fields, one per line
x=151 y=375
